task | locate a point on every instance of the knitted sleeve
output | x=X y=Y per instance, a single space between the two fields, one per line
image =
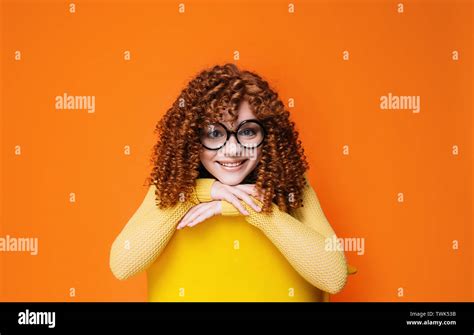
x=312 y=214
x=302 y=240
x=148 y=231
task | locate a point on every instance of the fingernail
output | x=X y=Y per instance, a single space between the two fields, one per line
x=246 y=213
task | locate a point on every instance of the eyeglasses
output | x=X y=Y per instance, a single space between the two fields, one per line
x=249 y=134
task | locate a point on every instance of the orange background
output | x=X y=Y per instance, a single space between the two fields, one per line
x=407 y=244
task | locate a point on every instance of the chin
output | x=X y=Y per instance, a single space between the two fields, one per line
x=230 y=173
x=231 y=180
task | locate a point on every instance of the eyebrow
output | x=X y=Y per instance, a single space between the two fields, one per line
x=237 y=123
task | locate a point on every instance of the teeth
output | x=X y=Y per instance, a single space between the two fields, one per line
x=231 y=164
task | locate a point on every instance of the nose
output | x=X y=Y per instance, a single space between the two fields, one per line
x=232 y=147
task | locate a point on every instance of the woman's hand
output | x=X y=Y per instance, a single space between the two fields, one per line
x=219 y=191
x=232 y=194
x=199 y=213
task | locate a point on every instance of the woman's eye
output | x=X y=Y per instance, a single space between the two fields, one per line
x=214 y=133
x=247 y=132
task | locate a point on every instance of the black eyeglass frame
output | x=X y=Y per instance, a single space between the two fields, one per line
x=231 y=132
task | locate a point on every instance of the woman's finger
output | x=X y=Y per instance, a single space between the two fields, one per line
x=251 y=190
x=212 y=209
x=234 y=201
x=195 y=211
x=202 y=208
x=245 y=197
x=248 y=188
x=200 y=218
x=184 y=219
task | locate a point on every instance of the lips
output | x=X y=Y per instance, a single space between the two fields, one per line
x=231 y=164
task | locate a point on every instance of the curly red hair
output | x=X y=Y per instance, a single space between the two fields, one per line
x=279 y=175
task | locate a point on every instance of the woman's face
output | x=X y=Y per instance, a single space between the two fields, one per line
x=232 y=163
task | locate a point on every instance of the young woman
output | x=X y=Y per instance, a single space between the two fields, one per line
x=229 y=214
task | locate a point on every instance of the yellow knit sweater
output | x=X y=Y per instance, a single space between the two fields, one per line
x=231 y=257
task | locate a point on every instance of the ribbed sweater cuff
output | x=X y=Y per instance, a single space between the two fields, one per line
x=203 y=189
x=227 y=209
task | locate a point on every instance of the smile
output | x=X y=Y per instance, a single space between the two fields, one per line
x=232 y=164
